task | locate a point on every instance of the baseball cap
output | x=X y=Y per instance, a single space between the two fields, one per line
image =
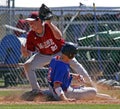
x=33 y=16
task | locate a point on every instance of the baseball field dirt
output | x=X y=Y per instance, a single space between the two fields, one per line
x=22 y=96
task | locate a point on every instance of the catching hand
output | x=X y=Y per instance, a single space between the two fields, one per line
x=45 y=13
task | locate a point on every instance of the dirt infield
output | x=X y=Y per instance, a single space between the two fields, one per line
x=23 y=98
x=42 y=100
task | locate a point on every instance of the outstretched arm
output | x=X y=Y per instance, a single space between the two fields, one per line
x=60 y=92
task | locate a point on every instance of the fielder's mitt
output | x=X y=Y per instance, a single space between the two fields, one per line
x=45 y=13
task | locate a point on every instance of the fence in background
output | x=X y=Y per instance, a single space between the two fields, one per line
x=97 y=33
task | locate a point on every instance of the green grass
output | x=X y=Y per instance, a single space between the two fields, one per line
x=59 y=106
x=10 y=92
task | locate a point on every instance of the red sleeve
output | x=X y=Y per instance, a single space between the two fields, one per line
x=30 y=45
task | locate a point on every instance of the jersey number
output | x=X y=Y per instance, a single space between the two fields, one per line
x=54 y=47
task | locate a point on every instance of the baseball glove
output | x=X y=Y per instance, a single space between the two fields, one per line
x=45 y=13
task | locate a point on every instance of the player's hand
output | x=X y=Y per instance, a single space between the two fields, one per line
x=80 y=78
x=64 y=98
x=70 y=100
x=24 y=51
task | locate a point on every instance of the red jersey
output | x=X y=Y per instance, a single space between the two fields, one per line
x=47 y=44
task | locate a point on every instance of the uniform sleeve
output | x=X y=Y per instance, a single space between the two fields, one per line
x=30 y=45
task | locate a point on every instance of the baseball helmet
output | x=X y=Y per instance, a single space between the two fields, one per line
x=69 y=49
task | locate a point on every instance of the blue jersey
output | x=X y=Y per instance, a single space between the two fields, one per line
x=59 y=71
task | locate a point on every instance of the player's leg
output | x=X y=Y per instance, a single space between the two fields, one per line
x=37 y=60
x=29 y=67
x=81 y=92
x=77 y=93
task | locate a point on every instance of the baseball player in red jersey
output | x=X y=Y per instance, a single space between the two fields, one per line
x=45 y=41
x=60 y=78
x=21 y=24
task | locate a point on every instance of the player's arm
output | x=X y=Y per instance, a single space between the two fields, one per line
x=57 y=33
x=78 y=77
x=81 y=79
x=60 y=92
x=46 y=15
x=29 y=48
x=25 y=52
